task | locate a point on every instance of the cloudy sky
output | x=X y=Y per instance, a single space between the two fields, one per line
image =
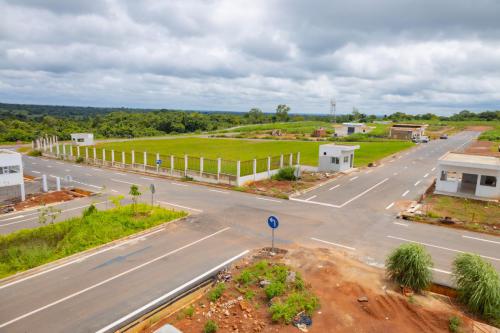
x=381 y=56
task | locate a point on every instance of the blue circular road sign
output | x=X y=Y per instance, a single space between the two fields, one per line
x=273 y=222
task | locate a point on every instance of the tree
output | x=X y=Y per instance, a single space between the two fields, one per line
x=409 y=265
x=478 y=285
x=48 y=214
x=134 y=192
x=255 y=116
x=282 y=112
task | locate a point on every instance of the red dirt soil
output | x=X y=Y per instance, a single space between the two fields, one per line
x=483 y=148
x=48 y=198
x=338 y=281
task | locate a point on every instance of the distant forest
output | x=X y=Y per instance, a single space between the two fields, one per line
x=19 y=122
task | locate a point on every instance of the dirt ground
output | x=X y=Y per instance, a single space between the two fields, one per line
x=338 y=281
x=48 y=198
x=483 y=148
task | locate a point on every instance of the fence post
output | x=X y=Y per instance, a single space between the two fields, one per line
x=58 y=183
x=291 y=159
x=201 y=166
x=145 y=160
x=171 y=165
x=238 y=172
x=112 y=157
x=281 y=161
x=95 y=155
x=254 y=168
x=185 y=165
x=219 y=160
x=71 y=151
x=77 y=151
x=86 y=153
x=123 y=159
x=44 y=184
x=298 y=158
x=103 y=156
x=57 y=150
x=133 y=158
x=64 y=150
x=269 y=166
x=23 y=192
x=157 y=165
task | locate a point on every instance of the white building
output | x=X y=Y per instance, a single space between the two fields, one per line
x=82 y=139
x=351 y=128
x=336 y=157
x=466 y=175
x=11 y=171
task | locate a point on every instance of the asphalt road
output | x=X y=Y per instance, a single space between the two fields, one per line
x=355 y=213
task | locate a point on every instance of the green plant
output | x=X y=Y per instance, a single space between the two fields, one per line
x=409 y=265
x=217 y=292
x=48 y=214
x=79 y=160
x=275 y=288
x=249 y=294
x=135 y=193
x=117 y=200
x=454 y=324
x=478 y=285
x=286 y=173
x=35 y=153
x=295 y=303
x=210 y=327
x=189 y=311
x=89 y=210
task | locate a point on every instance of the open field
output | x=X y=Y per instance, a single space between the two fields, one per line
x=298 y=127
x=233 y=149
x=29 y=248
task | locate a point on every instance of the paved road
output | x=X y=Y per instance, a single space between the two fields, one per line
x=354 y=213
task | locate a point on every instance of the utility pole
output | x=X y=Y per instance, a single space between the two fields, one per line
x=333 y=109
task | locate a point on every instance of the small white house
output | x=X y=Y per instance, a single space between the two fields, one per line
x=82 y=139
x=11 y=170
x=351 y=128
x=466 y=175
x=336 y=157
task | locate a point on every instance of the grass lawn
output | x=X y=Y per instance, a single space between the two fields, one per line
x=233 y=149
x=474 y=213
x=297 y=127
x=26 y=249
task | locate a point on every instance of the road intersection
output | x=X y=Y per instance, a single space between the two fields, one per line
x=354 y=213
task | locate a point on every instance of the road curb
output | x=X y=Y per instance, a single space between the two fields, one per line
x=76 y=256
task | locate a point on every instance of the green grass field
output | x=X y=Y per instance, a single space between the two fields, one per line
x=234 y=149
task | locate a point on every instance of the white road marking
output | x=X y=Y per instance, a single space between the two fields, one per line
x=119 y=173
x=390 y=205
x=34 y=163
x=60 y=163
x=180 y=206
x=14 y=217
x=433 y=169
x=110 y=279
x=404 y=194
x=67 y=170
x=122 y=181
x=81 y=183
x=440 y=270
x=335 y=244
x=402 y=224
x=97 y=169
x=406 y=167
x=49 y=166
x=353 y=178
x=77 y=166
x=426 y=175
x=52 y=176
x=438 y=247
x=369 y=171
x=35 y=171
x=400 y=157
x=333 y=188
x=114 y=191
x=170 y=293
x=146 y=178
x=417 y=183
x=178 y=184
x=88 y=174
x=395 y=174
x=481 y=239
x=310 y=198
x=266 y=199
x=218 y=191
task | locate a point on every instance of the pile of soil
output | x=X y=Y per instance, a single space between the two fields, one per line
x=486 y=148
x=40 y=199
x=354 y=297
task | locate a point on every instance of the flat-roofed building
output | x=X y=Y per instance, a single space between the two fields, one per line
x=467 y=175
x=82 y=139
x=351 y=128
x=407 y=131
x=11 y=172
x=336 y=157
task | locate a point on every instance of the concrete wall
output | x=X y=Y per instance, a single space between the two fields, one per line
x=7 y=177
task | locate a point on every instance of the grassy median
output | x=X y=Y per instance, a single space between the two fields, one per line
x=30 y=248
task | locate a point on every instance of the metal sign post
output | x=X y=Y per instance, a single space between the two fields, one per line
x=273 y=223
x=153 y=190
x=158 y=163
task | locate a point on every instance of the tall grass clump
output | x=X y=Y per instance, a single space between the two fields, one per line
x=478 y=285
x=286 y=173
x=409 y=265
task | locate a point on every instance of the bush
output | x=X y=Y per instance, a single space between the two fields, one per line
x=478 y=285
x=189 y=311
x=79 y=160
x=286 y=173
x=409 y=265
x=454 y=324
x=89 y=210
x=217 y=292
x=35 y=153
x=276 y=288
x=295 y=303
x=210 y=327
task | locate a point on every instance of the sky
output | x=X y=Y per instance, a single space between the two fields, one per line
x=383 y=56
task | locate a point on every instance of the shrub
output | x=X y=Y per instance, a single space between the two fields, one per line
x=79 y=160
x=478 y=285
x=217 y=292
x=210 y=327
x=89 y=210
x=35 y=153
x=189 y=311
x=275 y=288
x=286 y=173
x=409 y=265
x=454 y=324
x=295 y=303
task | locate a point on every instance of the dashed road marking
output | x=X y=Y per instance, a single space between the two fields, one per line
x=218 y=191
x=333 y=188
x=433 y=169
x=426 y=175
x=418 y=182
x=481 y=239
x=353 y=178
x=390 y=205
x=35 y=171
x=335 y=244
x=401 y=224
x=266 y=199
x=310 y=198
x=406 y=192
x=178 y=184
x=180 y=206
